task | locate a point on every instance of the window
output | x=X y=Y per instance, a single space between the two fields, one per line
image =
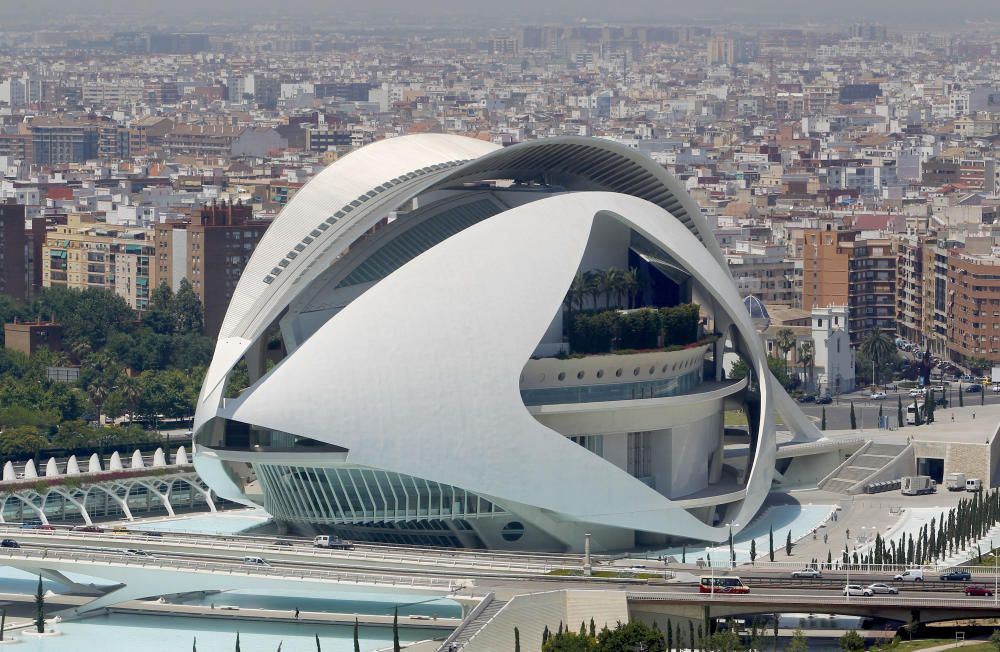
x=639 y=454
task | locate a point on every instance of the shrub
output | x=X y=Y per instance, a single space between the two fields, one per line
x=640 y=329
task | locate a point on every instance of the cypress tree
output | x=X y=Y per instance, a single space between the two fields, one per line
x=517 y=640
x=854 y=419
x=770 y=544
x=879 y=415
x=961 y=396
x=691 y=632
x=545 y=635
x=237 y=642
x=593 y=629
x=899 y=412
x=822 y=419
x=829 y=558
x=670 y=637
x=788 y=544
x=40 y=607
x=917 y=420
x=395 y=631
x=357 y=639
x=753 y=550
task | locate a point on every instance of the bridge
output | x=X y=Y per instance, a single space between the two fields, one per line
x=136 y=577
x=109 y=487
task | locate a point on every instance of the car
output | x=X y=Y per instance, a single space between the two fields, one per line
x=255 y=561
x=807 y=398
x=281 y=542
x=911 y=575
x=119 y=529
x=978 y=590
x=807 y=573
x=877 y=396
x=956 y=576
x=46 y=527
x=857 y=589
x=879 y=587
x=823 y=400
x=9 y=543
x=87 y=528
x=135 y=552
x=917 y=391
x=31 y=525
x=996 y=388
x=973 y=389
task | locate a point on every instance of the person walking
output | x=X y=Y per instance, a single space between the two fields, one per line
x=296 y=613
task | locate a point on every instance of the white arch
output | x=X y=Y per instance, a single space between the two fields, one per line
x=94 y=465
x=529 y=257
x=51 y=468
x=72 y=466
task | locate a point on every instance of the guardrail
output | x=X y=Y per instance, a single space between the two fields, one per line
x=903 y=602
x=249 y=570
x=359 y=553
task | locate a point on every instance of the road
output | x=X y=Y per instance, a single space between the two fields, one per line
x=838 y=413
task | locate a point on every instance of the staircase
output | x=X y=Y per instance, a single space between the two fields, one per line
x=471 y=626
x=874 y=458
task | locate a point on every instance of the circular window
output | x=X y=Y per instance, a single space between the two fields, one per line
x=674 y=368
x=600 y=373
x=635 y=372
x=562 y=375
x=618 y=373
x=579 y=375
x=664 y=369
x=512 y=531
x=652 y=370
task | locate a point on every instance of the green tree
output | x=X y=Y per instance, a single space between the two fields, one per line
x=899 y=414
x=22 y=439
x=878 y=347
x=852 y=642
x=770 y=543
x=854 y=418
x=995 y=639
x=634 y=635
x=187 y=310
x=357 y=637
x=799 y=643
x=753 y=550
x=788 y=544
x=395 y=630
x=569 y=642
x=917 y=419
x=961 y=396
x=724 y=641
x=40 y=607
x=517 y=641
x=822 y=418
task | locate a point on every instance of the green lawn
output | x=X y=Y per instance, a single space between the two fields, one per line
x=910 y=646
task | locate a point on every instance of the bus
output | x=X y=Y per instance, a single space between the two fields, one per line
x=911 y=413
x=722 y=585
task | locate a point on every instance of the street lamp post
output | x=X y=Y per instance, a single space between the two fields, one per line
x=847 y=591
x=732 y=549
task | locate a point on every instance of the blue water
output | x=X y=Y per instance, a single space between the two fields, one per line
x=355 y=603
x=800 y=520
x=128 y=633
x=218 y=523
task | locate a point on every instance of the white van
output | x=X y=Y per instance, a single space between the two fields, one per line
x=973 y=484
x=911 y=575
x=255 y=561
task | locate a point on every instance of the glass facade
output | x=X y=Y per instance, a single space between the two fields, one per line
x=356 y=495
x=624 y=391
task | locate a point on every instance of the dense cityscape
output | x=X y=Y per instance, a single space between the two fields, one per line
x=771 y=244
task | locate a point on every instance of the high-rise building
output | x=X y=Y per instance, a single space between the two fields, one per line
x=973 y=306
x=721 y=50
x=210 y=251
x=841 y=269
x=13 y=247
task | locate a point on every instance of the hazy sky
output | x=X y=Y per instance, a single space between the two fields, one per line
x=893 y=13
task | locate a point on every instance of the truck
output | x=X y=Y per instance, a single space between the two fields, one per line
x=324 y=541
x=995 y=375
x=973 y=484
x=916 y=485
x=955 y=481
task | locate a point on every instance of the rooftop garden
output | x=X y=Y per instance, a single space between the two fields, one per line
x=642 y=329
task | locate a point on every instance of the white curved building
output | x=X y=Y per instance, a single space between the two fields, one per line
x=441 y=376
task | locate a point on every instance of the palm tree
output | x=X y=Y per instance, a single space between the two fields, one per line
x=131 y=393
x=879 y=348
x=612 y=284
x=577 y=290
x=98 y=395
x=594 y=281
x=806 y=357
x=631 y=285
x=785 y=341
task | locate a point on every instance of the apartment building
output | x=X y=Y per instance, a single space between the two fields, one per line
x=840 y=268
x=12 y=250
x=974 y=305
x=55 y=141
x=911 y=288
x=763 y=270
x=85 y=253
x=210 y=250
